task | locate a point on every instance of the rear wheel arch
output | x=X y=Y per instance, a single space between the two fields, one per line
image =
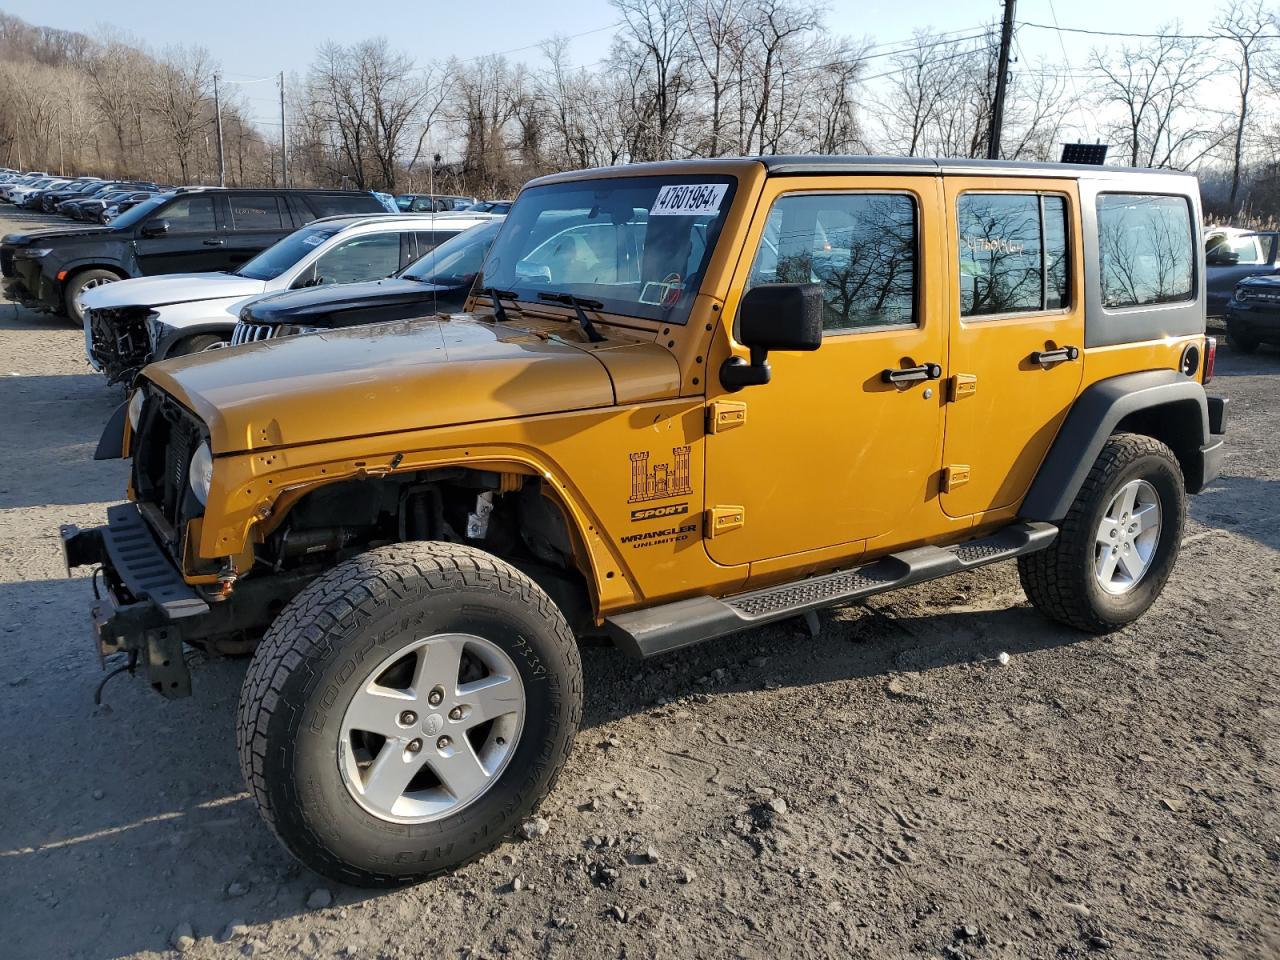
x=1163 y=404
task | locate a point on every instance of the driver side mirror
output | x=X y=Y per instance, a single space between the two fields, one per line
x=773 y=316
x=155 y=228
x=533 y=272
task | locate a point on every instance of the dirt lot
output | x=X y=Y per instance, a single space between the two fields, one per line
x=888 y=789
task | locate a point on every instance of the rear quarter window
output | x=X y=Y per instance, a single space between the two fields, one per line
x=329 y=205
x=1146 y=250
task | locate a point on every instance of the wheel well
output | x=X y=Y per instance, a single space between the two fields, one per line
x=1178 y=426
x=514 y=516
x=76 y=271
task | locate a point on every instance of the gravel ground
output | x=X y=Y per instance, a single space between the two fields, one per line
x=888 y=789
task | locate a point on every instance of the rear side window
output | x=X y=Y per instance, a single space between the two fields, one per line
x=255 y=212
x=1145 y=249
x=329 y=205
x=1013 y=253
x=860 y=246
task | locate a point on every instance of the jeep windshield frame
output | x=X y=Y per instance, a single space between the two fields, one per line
x=640 y=245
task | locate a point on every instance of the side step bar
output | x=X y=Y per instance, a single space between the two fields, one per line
x=646 y=633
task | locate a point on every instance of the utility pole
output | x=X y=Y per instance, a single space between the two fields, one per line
x=284 y=142
x=1002 y=80
x=217 y=110
x=62 y=168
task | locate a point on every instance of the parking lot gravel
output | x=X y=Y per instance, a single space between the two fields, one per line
x=940 y=773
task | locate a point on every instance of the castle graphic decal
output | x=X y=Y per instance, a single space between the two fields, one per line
x=661 y=480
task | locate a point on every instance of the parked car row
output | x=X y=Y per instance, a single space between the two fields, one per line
x=310 y=280
x=84 y=198
x=179 y=230
x=445 y=203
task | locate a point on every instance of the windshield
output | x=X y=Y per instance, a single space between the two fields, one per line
x=279 y=257
x=455 y=262
x=638 y=245
x=140 y=212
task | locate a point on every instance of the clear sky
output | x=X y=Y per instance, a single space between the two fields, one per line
x=253 y=40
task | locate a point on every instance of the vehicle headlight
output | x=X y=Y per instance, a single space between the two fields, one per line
x=155 y=329
x=135 y=410
x=295 y=329
x=33 y=253
x=200 y=474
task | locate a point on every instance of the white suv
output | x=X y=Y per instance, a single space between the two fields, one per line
x=131 y=323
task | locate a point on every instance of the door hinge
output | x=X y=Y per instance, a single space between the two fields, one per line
x=964 y=385
x=953 y=476
x=723 y=519
x=724 y=415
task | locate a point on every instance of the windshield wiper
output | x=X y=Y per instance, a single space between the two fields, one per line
x=568 y=299
x=498 y=296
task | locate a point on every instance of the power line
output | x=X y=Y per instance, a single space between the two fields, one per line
x=1117 y=33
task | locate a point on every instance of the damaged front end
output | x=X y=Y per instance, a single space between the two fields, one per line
x=119 y=341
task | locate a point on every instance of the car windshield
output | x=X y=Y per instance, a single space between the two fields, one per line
x=638 y=245
x=279 y=257
x=455 y=262
x=140 y=212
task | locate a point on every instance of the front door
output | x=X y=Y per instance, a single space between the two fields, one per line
x=192 y=244
x=831 y=453
x=1017 y=337
x=255 y=222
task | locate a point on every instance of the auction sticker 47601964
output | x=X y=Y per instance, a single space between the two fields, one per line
x=688 y=199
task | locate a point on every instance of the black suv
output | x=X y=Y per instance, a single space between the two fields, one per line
x=188 y=230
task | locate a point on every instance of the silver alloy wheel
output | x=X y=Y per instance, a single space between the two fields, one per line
x=89 y=285
x=431 y=728
x=1126 y=540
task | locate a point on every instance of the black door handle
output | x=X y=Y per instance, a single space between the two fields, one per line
x=926 y=371
x=213 y=243
x=1055 y=356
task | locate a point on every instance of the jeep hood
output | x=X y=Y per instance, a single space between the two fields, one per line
x=171 y=288
x=313 y=305
x=402 y=376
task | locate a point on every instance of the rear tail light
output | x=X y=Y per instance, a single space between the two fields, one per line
x=1210 y=356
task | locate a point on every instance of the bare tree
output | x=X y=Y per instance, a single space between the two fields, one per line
x=1154 y=88
x=181 y=87
x=1245 y=24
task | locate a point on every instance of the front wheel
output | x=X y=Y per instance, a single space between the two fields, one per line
x=407 y=710
x=1118 y=543
x=74 y=293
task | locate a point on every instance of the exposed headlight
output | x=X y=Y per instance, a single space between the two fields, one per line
x=295 y=329
x=200 y=475
x=135 y=410
x=155 y=329
x=32 y=253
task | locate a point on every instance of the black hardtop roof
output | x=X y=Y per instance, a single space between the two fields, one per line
x=813 y=165
x=790 y=165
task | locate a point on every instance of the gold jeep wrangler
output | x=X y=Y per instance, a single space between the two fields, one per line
x=686 y=399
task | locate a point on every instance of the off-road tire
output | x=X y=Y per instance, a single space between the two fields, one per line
x=1060 y=580
x=321 y=648
x=75 y=286
x=1240 y=339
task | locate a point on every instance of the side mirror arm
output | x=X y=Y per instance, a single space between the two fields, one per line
x=736 y=373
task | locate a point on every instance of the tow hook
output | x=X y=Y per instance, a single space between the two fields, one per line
x=226 y=583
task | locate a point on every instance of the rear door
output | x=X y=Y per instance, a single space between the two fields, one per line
x=193 y=242
x=1017 y=334
x=254 y=222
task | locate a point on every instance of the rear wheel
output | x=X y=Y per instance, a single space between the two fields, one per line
x=76 y=287
x=1118 y=543
x=1239 y=337
x=407 y=710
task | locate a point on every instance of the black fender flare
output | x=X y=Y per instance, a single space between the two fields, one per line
x=1094 y=417
x=111 y=443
